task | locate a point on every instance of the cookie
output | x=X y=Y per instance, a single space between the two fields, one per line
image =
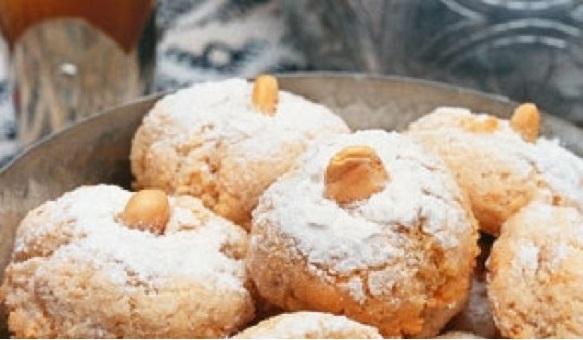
x=309 y=325
x=500 y=164
x=84 y=266
x=369 y=226
x=218 y=142
x=535 y=274
x=458 y=335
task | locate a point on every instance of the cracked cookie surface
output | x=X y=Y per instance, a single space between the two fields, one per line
x=535 y=274
x=309 y=325
x=499 y=170
x=78 y=272
x=209 y=141
x=400 y=260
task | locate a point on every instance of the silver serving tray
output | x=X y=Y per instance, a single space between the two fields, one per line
x=96 y=150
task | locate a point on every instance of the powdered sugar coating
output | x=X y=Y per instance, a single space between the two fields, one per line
x=309 y=325
x=366 y=234
x=209 y=141
x=561 y=171
x=535 y=273
x=375 y=249
x=500 y=171
x=199 y=253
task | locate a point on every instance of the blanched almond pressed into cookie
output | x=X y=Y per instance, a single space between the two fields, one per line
x=526 y=121
x=355 y=173
x=266 y=94
x=147 y=210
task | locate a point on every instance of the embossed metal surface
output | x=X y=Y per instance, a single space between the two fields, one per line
x=525 y=49
x=96 y=150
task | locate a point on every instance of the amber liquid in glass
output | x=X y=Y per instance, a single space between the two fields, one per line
x=73 y=58
x=122 y=20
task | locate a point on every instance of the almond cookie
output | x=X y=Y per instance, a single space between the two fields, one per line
x=369 y=226
x=458 y=335
x=100 y=262
x=536 y=274
x=309 y=325
x=500 y=163
x=226 y=141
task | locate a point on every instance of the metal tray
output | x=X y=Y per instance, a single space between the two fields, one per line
x=96 y=150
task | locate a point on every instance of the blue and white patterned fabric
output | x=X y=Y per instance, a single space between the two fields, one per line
x=7 y=130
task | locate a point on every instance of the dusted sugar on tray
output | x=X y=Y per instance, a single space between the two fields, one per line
x=226 y=142
x=370 y=226
x=101 y=262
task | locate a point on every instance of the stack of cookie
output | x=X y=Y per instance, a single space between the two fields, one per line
x=527 y=191
x=259 y=214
